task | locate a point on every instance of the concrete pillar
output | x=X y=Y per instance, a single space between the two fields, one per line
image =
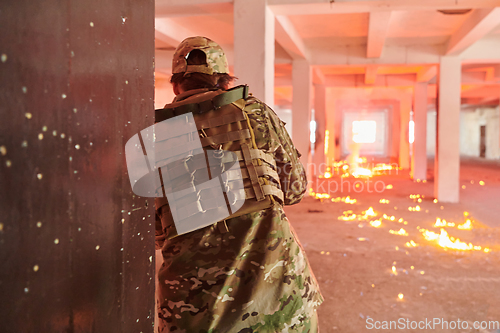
x=319 y=159
x=396 y=130
x=337 y=136
x=447 y=165
x=254 y=47
x=331 y=106
x=301 y=106
x=419 y=160
x=404 y=142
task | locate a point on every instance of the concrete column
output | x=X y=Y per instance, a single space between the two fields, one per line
x=301 y=106
x=404 y=142
x=336 y=137
x=419 y=160
x=447 y=165
x=395 y=134
x=319 y=159
x=254 y=47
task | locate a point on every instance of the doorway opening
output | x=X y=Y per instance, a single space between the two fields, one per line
x=482 y=142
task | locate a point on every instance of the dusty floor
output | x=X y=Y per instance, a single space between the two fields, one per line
x=362 y=269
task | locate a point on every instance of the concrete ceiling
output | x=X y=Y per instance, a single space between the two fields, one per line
x=353 y=43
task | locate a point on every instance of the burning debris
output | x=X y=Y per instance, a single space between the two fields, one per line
x=400 y=232
x=447 y=242
x=376 y=220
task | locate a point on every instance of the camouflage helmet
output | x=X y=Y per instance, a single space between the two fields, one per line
x=216 y=59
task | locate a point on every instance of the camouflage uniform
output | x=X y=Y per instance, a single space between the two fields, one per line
x=254 y=278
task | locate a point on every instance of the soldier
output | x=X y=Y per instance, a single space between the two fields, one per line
x=248 y=273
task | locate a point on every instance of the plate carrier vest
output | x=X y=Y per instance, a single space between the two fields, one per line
x=223 y=125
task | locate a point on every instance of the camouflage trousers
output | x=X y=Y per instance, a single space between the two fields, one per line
x=310 y=325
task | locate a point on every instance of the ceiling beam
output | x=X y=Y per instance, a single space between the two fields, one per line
x=371 y=74
x=288 y=37
x=393 y=55
x=490 y=100
x=359 y=80
x=477 y=25
x=170 y=32
x=426 y=74
x=489 y=72
x=313 y=7
x=377 y=31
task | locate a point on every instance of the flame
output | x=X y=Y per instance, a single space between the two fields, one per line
x=351 y=167
x=465 y=226
x=361 y=172
x=348 y=216
x=401 y=296
x=389 y=187
x=414 y=209
x=442 y=223
x=347 y=200
x=391 y=218
x=376 y=223
x=401 y=232
x=481 y=183
x=384 y=201
x=322 y=196
x=381 y=167
x=447 y=242
x=411 y=244
x=369 y=212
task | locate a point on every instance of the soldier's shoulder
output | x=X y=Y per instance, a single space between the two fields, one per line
x=251 y=100
x=253 y=104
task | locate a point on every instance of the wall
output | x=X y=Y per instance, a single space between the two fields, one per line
x=76 y=246
x=470 y=123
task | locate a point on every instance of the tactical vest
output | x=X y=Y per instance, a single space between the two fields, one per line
x=228 y=142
